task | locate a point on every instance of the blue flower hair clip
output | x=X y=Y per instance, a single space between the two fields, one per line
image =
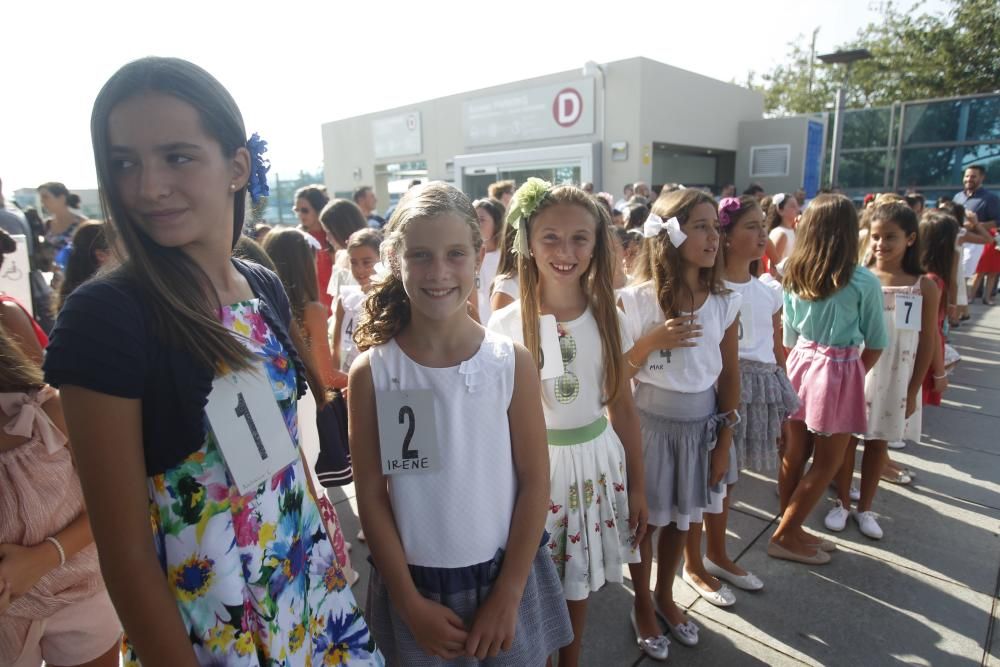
x=259 y=166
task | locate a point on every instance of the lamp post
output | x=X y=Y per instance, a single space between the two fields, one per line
x=845 y=58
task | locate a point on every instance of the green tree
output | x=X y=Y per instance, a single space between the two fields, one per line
x=914 y=55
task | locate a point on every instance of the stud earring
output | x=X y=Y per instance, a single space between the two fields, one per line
x=477 y=281
x=232 y=186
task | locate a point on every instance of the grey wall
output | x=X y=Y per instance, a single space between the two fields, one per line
x=771 y=131
x=688 y=109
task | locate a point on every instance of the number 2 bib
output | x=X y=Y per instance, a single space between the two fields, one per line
x=407 y=431
x=249 y=427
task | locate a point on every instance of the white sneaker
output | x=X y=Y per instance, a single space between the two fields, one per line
x=854 y=494
x=897 y=444
x=836 y=519
x=868 y=525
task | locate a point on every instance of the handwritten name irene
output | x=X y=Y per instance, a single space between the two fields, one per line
x=404 y=464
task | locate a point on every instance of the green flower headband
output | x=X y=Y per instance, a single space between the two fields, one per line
x=524 y=204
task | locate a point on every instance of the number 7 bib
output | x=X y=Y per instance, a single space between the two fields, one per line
x=407 y=431
x=249 y=427
x=909 y=311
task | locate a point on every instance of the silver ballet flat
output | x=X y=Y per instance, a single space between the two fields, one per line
x=657 y=648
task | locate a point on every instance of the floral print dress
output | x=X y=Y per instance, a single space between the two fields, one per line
x=255 y=577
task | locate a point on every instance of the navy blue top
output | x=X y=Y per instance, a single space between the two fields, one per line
x=105 y=340
x=983 y=203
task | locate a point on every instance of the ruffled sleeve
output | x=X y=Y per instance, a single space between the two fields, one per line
x=488 y=364
x=30 y=421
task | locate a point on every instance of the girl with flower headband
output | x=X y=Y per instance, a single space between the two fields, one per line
x=766 y=396
x=597 y=504
x=685 y=325
x=448 y=446
x=180 y=373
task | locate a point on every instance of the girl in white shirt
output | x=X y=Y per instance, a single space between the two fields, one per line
x=597 y=498
x=490 y=213
x=686 y=366
x=766 y=395
x=505 y=288
x=363 y=256
x=448 y=447
x=781 y=217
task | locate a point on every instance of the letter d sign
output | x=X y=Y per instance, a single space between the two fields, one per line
x=567 y=107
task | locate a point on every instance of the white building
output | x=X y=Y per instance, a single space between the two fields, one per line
x=613 y=124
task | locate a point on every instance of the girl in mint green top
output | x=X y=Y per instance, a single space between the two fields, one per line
x=831 y=306
x=846 y=318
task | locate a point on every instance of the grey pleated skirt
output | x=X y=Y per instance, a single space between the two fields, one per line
x=542 y=620
x=679 y=432
x=766 y=400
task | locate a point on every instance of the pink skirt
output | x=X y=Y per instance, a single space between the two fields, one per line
x=830 y=383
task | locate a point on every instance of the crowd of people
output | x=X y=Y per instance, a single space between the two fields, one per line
x=530 y=392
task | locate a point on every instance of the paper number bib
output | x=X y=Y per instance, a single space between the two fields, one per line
x=407 y=431
x=249 y=427
x=745 y=327
x=552 y=361
x=909 y=312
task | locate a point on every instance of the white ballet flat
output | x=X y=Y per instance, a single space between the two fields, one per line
x=721 y=598
x=748 y=582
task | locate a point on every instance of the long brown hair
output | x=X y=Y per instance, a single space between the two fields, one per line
x=661 y=262
x=387 y=308
x=295 y=263
x=936 y=238
x=82 y=263
x=17 y=372
x=183 y=303
x=597 y=284
x=341 y=218
x=826 y=249
x=507 y=265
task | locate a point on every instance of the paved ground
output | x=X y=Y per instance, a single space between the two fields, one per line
x=926 y=594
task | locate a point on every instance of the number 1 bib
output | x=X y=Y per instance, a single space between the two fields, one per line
x=249 y=427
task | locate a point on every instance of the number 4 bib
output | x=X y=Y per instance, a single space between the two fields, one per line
x=407 y=431
x=249 y=427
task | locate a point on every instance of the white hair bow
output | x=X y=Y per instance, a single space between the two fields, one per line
x=310 y=239
x=654 y=225
x=778 y=199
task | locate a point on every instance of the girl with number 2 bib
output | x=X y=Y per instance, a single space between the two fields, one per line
x=448 y=445
x=597 y=507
